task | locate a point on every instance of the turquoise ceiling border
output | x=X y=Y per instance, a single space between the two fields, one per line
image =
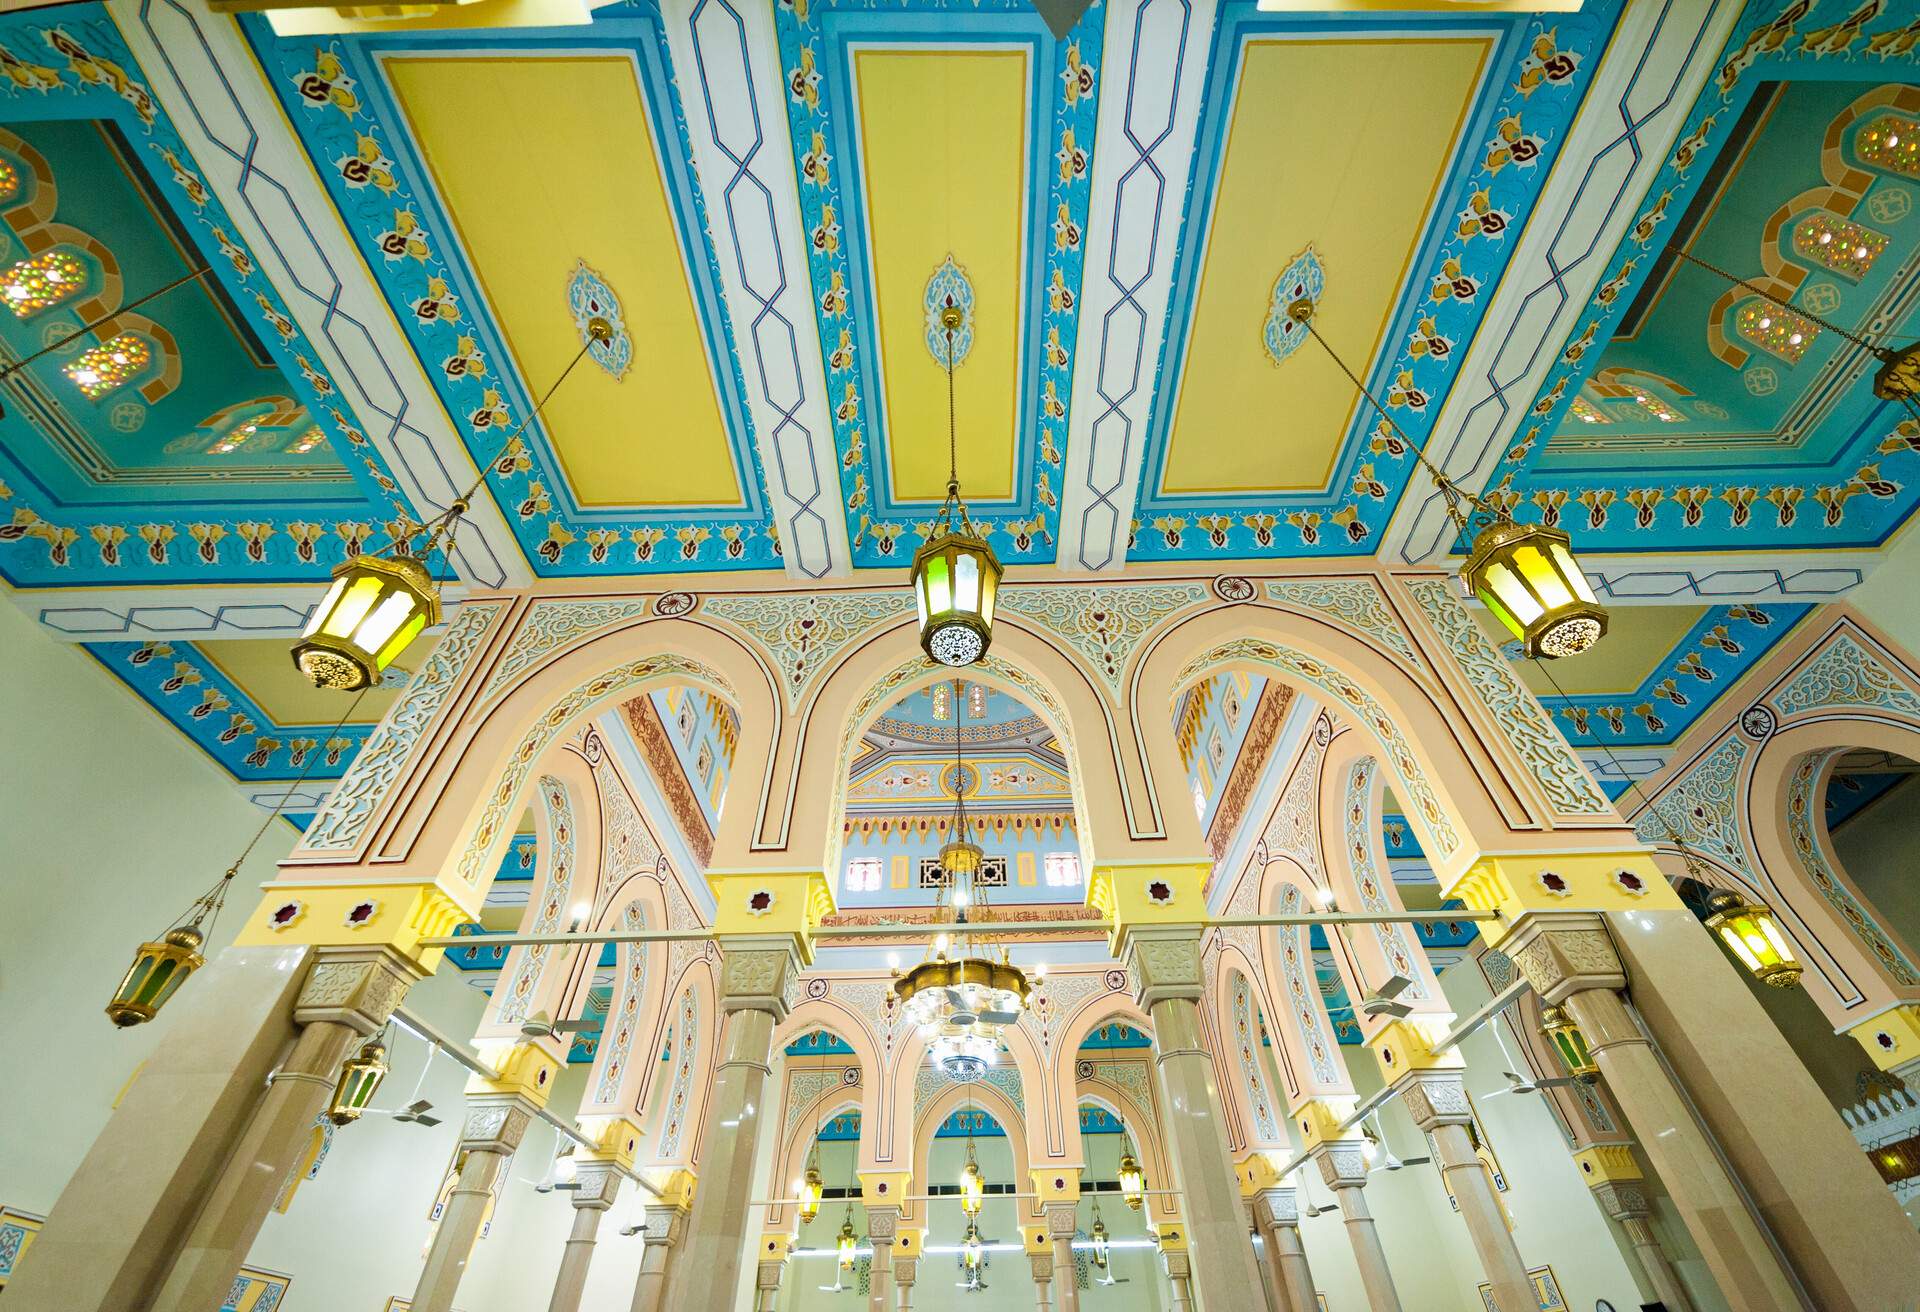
x=1725 y=643
x=71 y=62
x=1843 y=503
x=815 y=48
x=190 y=693
x=559 y=538
x=1538 y=73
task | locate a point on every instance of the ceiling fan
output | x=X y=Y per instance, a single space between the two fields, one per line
x=1534 y=1084
x=415 y=1112
x=1388 y=1161
x=540 y=1025
x=964 y=1015
x=1384 y=1001
x=1061 y=15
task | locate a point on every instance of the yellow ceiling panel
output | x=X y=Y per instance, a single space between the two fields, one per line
x=1639 y=639
x=943 y=143
x=1340 y=145
x=265 y=672
x=544 y=161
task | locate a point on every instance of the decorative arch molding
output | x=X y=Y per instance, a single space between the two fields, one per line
x=1239 y=1034
x=811 y=1094
x=676 y=1114
x=1141 y=1120
x=1744 y=793
x=1285 y=890
x=994 y=1101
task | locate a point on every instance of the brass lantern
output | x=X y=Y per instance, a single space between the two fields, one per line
x=849 y=1244
x=376 y=607
x=1527 y=576
x=1750 y=931
x=1569 y=1042
x=159 y=969
x=360 y=1078
x=812 y=1188
x=1101 y=1246
x=956 y=576
x=1133 y=1181
x=971 y=1249
x=973 y=1188
x=960 y=859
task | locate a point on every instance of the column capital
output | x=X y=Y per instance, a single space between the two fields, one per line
x=767 y=1277
x=1403 y=1048
x=354 y=914
x=754 y=970
x=884 y=1190
x=905 y=1271
x=359 y=987
x=1434 y=1098
x=1320 y=1120
x=675 y=1192
x=775 y=1247
x=1622 y=1200
x=883 y=1222
x=1171 y=1236
x=494 y=1125
x=1607 y=1161
x=1276 y=1207
x=1149 y=893
x=1041 y=1264
x=1521 y=884
x=526 y=1072
x=1055 y=1184
x=597 y=1185
x=1179 y=1264
x=1563 y=953
x=788 y=904
x=1163 y=962
x=1255 y=1172
x=1342 y=1165
x=907 y=1243
x=1063 y=1219
x=666 y=1224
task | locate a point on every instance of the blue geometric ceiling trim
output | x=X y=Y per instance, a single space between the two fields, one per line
x=1705 y=663
x=819 y=1043
x=560 y=538
x=1117 y=1034
x=1857 y=498
x=193 y=695
x=816 y=42
x=90 y=73
x=1534 y=81
x=840 y=1129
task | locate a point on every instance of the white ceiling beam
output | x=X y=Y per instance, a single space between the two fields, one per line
x=1722 y=577
x=205 y=76
x=727 y=64
x=1660 y=57
x=180 y=610
x=1154 y=78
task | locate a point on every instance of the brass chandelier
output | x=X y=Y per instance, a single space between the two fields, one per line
x=379 y=603
x=959 y=996
x=956 y=576
x=1525 y=574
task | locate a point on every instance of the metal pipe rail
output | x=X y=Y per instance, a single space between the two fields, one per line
x=971 y=929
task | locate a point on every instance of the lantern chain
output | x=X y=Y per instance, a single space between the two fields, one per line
x=206 y=908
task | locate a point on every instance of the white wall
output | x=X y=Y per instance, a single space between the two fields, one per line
x=112 y=823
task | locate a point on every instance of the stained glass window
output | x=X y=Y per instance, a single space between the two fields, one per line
x=234 y=440
x=31 y=286
x=9 y=180
x=976 y=701
x=1588 y=413
x=1062 y=869
x=942 y=701
x=1656 y=408
x=1774 y=330
x=1838 y=244
x=102 y=368
x=863 y=874
x=307 y=441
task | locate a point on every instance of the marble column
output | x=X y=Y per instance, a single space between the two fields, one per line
x=1063 y=1222
x=1618 y=1186
x=753 y=980
x=1438 y=1104
x=1343 y=1166
x=199 y=1122
x=1041 y=1265
x=599 y=1185
x=883 y=1220
x=1180 y=1279
x=904 y=1271
x=1278 y=1213
x=490 y=1135
x=1165 y=961
x=766 y=1284
x=1570 y=961
x=1263 y=1259
x=666 y=1226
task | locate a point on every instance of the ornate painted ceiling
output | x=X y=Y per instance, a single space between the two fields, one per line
x=406 y=222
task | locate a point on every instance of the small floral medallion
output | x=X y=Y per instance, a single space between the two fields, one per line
x=672 y=604
x=948 y=288
x=589 y=297
x=1303 y=279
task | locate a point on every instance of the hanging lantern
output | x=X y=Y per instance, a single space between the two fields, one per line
x=1527 y=576
x=956 y=578
x=971 y=1249
x=1133 y=1182
x=849 y=1245
x=973 y=1188
x=961 y=859
x=812 y=1188
x=360 y=1077
x=1098 y=1235
x=376 y=607
x=159 y=969
x=1751 y=933
x=1569 y=1042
